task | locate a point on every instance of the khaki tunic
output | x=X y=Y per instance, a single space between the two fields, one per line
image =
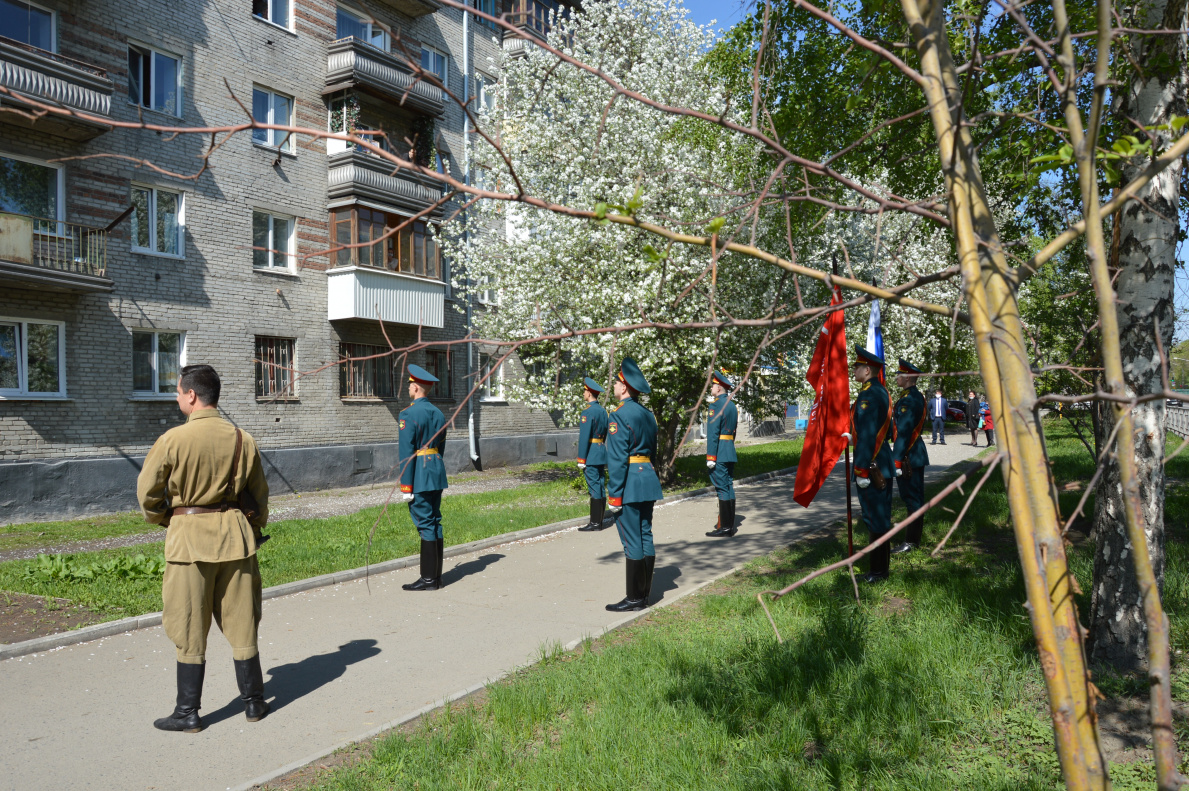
x=212 y=569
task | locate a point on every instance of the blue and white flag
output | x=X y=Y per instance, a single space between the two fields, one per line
x=874 y=333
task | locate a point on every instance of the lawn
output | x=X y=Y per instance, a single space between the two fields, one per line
x=302 y=548
x=93 y=528
x=931 y=682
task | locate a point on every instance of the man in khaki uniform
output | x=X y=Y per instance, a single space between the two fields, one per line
x=193 y=483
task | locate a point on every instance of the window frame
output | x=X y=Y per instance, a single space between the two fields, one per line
x=153 y=240
x=271 y=3
x=288 y=392
x=493 y=10
x=158 y=393
x=492 y=390
x=21 y=392
x=444 y=76
x=53 y=25
x=285 y=146
x=366 y=20
x=483 y=85
x=392 y=248
x=444 y=389
x=60 y=197
x=345 y=372
x=290 y=252
x=148 y=48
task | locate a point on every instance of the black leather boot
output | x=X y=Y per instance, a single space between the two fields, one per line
x=646 y=588
x=912 y=537
x=185 y=714
x=441 y=544
x=732 y=528
x=880 y=562
x=724 y=526
x=250 y=679
x=429 y=581
x=634 y=600
x=596 y=516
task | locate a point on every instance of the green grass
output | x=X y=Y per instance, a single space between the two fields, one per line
x=47 y=534
x=930 y=683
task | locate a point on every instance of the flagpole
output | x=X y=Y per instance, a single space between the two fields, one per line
x=850 y=540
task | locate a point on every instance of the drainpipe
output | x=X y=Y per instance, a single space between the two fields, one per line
x=466 y=179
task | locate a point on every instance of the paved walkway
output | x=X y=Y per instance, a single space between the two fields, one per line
x=340 y=662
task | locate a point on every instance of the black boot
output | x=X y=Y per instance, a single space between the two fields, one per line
x=251 y=688
x=596 y=516
x=725 y=523
x=185 y=714
x=634 y=600
x=429 y=580
x=880 y=562
x=441 y=544
x=646 y=588
x=912 y=537
x=730 y=518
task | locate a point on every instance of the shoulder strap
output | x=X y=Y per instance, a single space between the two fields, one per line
x=229 y=492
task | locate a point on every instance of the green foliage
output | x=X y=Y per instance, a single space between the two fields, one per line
x=47 y=534
x=75 y=568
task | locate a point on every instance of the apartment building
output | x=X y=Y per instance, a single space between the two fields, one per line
x=127 y=253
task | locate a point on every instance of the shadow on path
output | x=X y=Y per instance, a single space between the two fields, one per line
x=476 y=566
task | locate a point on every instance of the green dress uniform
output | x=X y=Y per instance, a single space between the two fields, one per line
x=910 y=456
x=423 y=476
x=592 y=453
x=720 y=455
x=871 y=424
x=634 y=486
x=210 y=553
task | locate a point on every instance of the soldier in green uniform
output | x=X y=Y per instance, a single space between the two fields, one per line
x=193 y=483
x=720 y=452
x=871 y=423
x=908 y=451
x=634 y=485
x=423 y=474
x=592 y=452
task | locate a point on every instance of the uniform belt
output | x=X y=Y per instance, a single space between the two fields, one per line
x=727 y=436
x=186 y=510
x=428 y=452
x=596 y=442
x=639 y=459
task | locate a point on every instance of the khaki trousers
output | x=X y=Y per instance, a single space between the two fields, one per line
x=193 y=592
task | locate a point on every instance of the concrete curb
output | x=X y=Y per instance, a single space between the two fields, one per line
x=100 y=630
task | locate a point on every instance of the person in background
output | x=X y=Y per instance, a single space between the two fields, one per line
x=987 y=425
x=720 y=452
x=972 y=417
x=908 y=450
x=871 y=424
x=937 y=412
x=422 y=439
x=592 y=452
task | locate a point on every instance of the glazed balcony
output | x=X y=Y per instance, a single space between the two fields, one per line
x=56 y=256
x=376 y=294
x=354 y=175
x=352 y=63
x=53 y=79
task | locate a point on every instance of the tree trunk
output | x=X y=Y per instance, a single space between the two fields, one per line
x=1146 y=257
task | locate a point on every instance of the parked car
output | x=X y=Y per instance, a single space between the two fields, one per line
x=956 y=414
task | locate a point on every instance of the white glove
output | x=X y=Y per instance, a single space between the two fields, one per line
x=899 y=472
x=406 y=497
x=581 y=466
x=711 y=465
x=863 y=482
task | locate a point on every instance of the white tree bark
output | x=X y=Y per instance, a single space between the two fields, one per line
x=1147 y=234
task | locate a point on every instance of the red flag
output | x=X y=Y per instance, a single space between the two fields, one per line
x=830 y=415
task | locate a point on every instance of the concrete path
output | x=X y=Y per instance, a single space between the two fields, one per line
x=341 y=662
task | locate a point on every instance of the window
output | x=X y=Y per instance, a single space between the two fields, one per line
x=274 y=367
x=488 y=293
x=276 y=109
x=30 y=188
x=157 y=221
x=356 y=25
x=492 y=389
x=156 y=361
x=366 y=378
x=435 y=63
x=275 y=11
x=438 y=363
x=28 y=24
x=411 y=250
x=272 y=241
x=487 y=7
x=32 y=358
x=154 y=80
x=485 y=93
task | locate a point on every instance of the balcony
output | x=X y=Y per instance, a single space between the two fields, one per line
x=367 y=292
x=413 y=8
x=353 y=63
x=54 y=256
x=534 y=17
x=354 y=175
x=53 y=79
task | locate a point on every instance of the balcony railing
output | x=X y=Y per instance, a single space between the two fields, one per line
x=355 y=174
x=533 y=15
x=52 y=253
x=351 y=62
x=53 y=79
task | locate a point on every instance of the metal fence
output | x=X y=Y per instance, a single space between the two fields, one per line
x=53 y=244
x=1176 y=420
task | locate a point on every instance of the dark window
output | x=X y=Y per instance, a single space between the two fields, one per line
x=363 y=374
x=27 y=24
x=438 y=363
x=411 y=250
x=274 y=367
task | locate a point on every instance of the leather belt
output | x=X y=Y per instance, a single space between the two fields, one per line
x=639 y=459
x=596 y=442
x=727 y=436
x=186 y=510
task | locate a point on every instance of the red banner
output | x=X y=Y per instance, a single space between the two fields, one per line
x=830 y=415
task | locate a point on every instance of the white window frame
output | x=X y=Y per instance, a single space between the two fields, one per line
x=277 y=139
x=60 y=200
x=177 y=110
x=483 y=85
x=491 y=390
x=152 y=248
x=155 y=393
x=444 y=76
x=271 y=4
x=21 y=391
x=368 y=22
x=53 y=23
x=273 y=248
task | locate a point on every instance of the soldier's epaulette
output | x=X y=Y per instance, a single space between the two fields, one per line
x=613 y=408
